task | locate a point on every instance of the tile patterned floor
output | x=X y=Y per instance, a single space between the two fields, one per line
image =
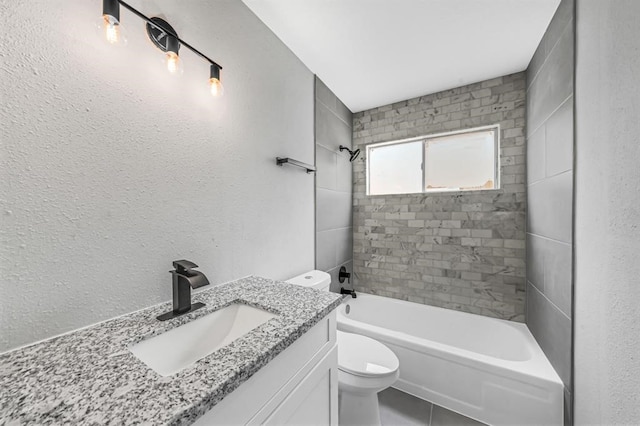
x=401 y=409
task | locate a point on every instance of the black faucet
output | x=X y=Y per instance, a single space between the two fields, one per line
x=184 y=278
x=342 y=275
x=351 y=292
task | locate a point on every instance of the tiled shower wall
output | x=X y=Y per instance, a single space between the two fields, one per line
x=462 y=250
x=334 y=233
x=550 y=192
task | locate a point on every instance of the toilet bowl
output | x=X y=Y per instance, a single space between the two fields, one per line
x=365 y=366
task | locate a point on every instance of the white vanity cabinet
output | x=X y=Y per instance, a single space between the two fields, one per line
x=298 y=387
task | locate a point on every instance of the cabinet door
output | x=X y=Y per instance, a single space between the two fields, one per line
x=260 y=396
x=315 y=400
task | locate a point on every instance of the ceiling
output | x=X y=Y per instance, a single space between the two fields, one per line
x=375 y=52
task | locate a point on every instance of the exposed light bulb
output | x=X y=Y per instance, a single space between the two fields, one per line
x=216 y=87
x=174 y=64
x=173 y=61
x=109 y=24
x=214 y=80
x=112 y=30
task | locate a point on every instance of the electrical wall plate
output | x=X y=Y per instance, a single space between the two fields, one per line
x=158 y=32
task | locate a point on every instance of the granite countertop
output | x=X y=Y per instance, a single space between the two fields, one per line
x=90 y=377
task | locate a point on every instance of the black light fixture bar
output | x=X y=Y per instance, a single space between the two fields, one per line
x=182 y=42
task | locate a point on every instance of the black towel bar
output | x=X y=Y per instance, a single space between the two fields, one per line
x=308 y=167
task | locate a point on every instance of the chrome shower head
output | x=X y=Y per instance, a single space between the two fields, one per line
x=354 y=154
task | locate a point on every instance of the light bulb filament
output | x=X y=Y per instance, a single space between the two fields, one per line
x=215 y=86
x=172 y=62
x=112 y=29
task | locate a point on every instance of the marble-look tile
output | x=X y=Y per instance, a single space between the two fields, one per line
x=90 y=377
x=432 y=248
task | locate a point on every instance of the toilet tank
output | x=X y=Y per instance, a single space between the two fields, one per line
x=315 y=279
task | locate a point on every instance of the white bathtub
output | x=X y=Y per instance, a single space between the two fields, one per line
x=488 y=369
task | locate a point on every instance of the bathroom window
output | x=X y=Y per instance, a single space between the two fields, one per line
x=457 y=161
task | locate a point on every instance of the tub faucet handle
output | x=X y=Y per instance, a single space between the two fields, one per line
x=344 y=274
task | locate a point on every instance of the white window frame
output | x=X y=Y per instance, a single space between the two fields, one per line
x=425 y=139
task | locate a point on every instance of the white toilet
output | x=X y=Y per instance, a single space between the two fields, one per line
x=365 y=366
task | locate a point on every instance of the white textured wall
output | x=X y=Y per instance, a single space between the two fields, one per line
x=607 y=223
x=110 y=169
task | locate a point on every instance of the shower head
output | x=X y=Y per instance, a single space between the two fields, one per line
x=354 y=154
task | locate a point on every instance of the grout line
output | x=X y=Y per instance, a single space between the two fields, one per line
x=315 y=175
x=430 y=415
x=549 y=300
x=331 y=149
x=550 y=51
x=550 y=239
x=548 y=117
x=572 y=369
x=334 y=113
x=339 y=228
x=535 y=182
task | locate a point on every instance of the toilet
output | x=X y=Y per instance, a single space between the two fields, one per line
x=365 y=366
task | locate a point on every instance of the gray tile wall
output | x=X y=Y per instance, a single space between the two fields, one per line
x=464 y=250
x=550 y=193
x=334 y=231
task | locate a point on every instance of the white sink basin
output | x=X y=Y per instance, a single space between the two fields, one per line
x=180 y=347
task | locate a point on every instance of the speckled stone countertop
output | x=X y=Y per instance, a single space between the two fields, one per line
x=90 y=377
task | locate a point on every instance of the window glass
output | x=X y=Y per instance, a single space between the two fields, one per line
x=460 y=161
x=395 y=169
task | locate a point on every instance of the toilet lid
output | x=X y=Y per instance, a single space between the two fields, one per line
x=364 y=356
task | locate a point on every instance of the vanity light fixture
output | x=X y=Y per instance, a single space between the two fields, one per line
x=163 y=36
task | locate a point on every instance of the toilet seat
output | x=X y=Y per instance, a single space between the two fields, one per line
x=365 y=357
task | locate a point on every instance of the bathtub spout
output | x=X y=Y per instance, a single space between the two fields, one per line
x=345 y=291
